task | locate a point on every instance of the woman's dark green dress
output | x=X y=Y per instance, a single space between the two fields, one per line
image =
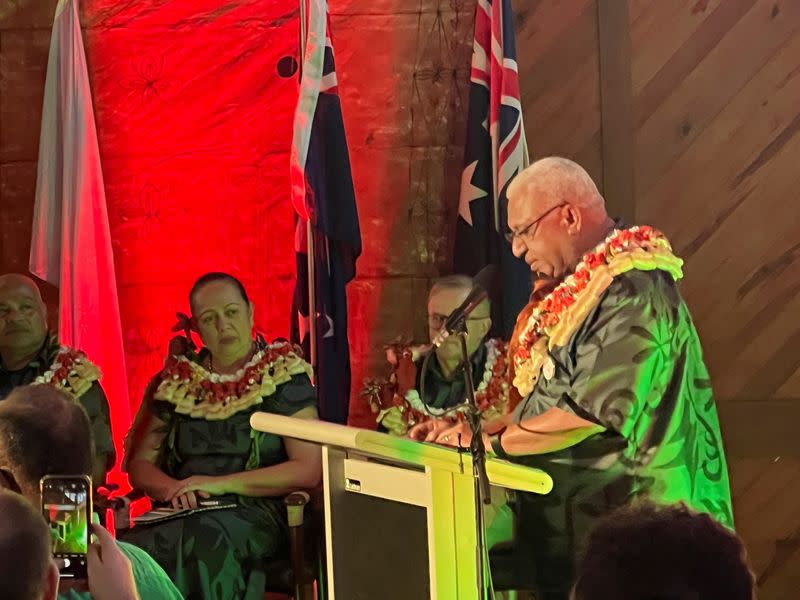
x=219 y=555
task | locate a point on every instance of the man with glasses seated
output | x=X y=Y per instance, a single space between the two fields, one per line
x=400 y=403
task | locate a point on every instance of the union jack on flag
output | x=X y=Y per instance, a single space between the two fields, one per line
x=495 y=152
x=323 y=193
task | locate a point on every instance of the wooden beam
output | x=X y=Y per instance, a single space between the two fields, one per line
x=616 y=105
x=760 y=428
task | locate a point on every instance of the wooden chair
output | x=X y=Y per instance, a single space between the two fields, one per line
x=301 y=576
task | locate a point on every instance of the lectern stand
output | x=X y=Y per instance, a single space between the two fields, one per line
x=399 y=514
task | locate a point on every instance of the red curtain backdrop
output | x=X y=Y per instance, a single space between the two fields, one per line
x=194 y=124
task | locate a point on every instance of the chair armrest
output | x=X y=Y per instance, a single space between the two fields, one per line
x=118 y=505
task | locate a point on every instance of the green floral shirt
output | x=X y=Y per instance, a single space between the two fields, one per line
x=442 y=392
x=635 y=367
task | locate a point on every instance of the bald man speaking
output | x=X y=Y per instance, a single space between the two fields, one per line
x=616 y=399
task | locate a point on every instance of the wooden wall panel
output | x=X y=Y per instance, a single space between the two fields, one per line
x=557 y=52
x=659 y=32
x=723 y=196
x=790 y=389
x=716 y=99
x=403 y=69
x=716 y=86
x=616 y=108
x=688 y=106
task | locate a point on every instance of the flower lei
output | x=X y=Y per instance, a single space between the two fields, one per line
x=201 y=394
x=491 y=396
x=492 y=391
x=70 y=372
x=556 y=316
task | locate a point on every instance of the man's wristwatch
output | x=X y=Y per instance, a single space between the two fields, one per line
x=496 y=440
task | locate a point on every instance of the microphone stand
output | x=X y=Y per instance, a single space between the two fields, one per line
x=480 y=479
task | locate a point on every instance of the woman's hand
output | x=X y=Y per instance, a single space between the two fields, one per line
x=187 y=491
x=188 y=500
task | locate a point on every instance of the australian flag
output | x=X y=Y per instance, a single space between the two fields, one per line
x=322 y=193
x=495 y=152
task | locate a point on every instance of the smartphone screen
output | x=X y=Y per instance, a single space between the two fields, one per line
x=67 y=508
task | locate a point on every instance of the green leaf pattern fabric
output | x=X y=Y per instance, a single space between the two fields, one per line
x=219 y=555
x=635 y=366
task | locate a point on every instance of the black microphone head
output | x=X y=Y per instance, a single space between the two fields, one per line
x=488 y=278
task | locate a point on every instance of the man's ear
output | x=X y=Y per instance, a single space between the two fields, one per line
x=572 y=219
x=51 y=581
x=8 y=481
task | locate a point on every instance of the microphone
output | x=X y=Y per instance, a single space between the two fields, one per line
x=482 y=282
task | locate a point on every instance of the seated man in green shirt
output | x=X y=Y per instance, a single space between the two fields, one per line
x=29 y=354
x=401 y=403
x=43 y=432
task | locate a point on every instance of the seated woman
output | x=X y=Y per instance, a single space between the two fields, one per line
x=192 y=440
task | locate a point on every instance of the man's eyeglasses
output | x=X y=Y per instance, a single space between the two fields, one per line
x=512 y=235
x=436 y=321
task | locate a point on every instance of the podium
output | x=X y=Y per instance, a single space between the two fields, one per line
x=399 y=514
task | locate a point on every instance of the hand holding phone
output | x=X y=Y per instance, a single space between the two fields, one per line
x=110 y=572
x=67 y=508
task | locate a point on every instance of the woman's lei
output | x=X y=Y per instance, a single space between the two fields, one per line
x=199 y=393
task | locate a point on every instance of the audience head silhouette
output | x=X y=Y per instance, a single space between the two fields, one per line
x=649 y=552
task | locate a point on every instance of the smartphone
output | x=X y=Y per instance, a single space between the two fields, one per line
x=67 y=508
